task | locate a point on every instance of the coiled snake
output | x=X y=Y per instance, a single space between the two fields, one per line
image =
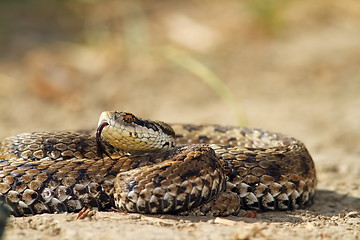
x=145 y=166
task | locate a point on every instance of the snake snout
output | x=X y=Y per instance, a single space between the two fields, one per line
x=105 y=117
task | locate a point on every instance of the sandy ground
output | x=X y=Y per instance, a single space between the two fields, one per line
x=303 y=82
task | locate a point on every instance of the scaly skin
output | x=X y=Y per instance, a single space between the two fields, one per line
x=216 y=170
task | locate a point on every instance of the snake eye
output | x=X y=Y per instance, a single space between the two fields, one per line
x=129 y=118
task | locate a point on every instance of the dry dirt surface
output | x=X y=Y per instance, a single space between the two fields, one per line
x=291 y=66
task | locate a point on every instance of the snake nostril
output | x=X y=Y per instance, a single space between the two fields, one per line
x=116 y=115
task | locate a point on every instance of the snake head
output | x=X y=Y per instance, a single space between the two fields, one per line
x=131 y=134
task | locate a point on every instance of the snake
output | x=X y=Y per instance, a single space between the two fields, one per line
x=130 y=164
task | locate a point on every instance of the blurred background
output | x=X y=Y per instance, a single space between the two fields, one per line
x=287 y=66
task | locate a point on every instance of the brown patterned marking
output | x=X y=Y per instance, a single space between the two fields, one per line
x=191 y=127
x=204 y=139
x=261 y=170
x=220 y=129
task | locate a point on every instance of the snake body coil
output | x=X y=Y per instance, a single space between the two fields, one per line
x=149 y=167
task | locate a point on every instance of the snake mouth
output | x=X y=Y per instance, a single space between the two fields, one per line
x=100 y=147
